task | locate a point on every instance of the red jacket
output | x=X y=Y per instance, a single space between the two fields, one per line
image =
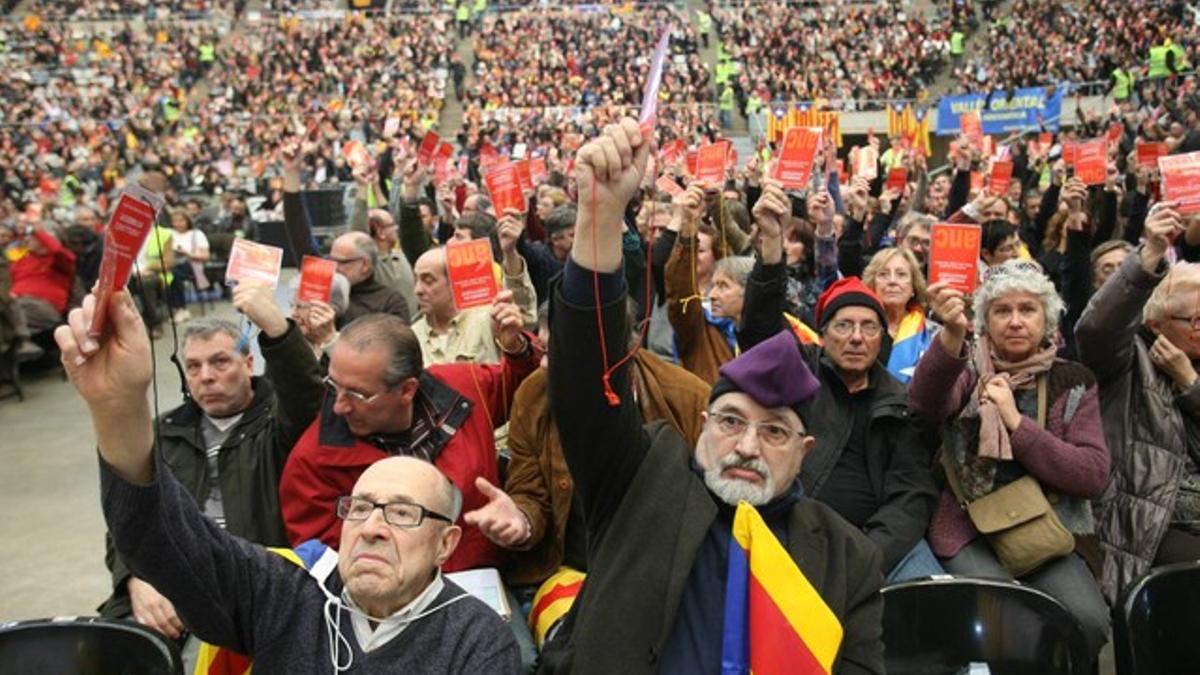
x=46 y=277
x=328 y=459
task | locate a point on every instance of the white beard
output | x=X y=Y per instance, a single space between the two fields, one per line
x=733 y=490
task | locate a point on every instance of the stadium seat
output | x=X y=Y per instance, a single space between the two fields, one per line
x=1156 y=624
x=86 y=646
x=943 y=625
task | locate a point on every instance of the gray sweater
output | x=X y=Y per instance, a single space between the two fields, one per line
x=239 y=595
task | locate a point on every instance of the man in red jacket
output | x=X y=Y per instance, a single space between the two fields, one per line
x=381 y=401
x=41 y=283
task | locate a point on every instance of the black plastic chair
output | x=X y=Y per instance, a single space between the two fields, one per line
x=86 y=646
x=1157 y=624
x=940 y=626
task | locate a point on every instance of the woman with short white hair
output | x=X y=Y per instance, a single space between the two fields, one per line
x=1020 y=427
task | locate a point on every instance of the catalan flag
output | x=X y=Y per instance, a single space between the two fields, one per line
x=806 y=335
x=552 y=602
x=804 y=115
x=775 y=621
x=910 y=124
x=911 y=341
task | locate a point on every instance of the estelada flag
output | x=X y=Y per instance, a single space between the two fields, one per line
x=775 y=621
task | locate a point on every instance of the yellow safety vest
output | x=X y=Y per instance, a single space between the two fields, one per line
x=1158 y=62
x=1124 y=84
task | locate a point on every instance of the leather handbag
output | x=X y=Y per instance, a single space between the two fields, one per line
x=1017 y=518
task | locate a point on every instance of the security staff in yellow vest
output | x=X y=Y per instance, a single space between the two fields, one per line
x=725 y=105
x=1122 y=84
x=956 y=46
x=1166 y=59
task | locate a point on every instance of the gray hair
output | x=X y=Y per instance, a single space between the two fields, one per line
x=206 y=329
x=1017 y=276
x=737 y=267
x=339 y=294
x=388 y=332
x=911 y=220
x=454 y=498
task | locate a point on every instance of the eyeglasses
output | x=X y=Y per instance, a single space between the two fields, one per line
x=356 y=396
x=769 y=433
x=844 y=328
x=400 y=514
x=1194 y=321
x=918 y=242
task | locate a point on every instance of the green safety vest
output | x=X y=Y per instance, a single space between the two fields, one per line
x=480 y=6
x=727 y=98
x=1181 y=62
x=1124 y=84
x=463 y=13
x=725 y=69
x=207 y=53
x=753 y=105
x=956 y=43
x=704 y=21
x=1158 y=62
x=171 y=110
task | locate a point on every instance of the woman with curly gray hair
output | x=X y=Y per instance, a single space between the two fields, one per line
x=1014 y=417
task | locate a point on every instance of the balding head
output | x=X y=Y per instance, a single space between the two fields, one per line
x=384 y=565
x=356 y=255
x=382 y=227
x=432 y=288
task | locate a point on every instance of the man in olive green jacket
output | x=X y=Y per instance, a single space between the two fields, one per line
x=228 y=442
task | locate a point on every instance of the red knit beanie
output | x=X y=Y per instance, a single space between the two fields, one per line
x=847 y=292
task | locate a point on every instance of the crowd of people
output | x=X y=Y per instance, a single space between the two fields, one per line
x=659 y=355
x=1040 y=42
x=86 y=10
x=853 y=55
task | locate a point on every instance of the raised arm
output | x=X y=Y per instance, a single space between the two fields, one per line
x=599 y=425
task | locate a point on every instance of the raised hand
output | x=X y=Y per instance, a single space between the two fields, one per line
x=257 y=301
x=499 y=520
x=608 y=171
x=507 y=325
x=770 y=211
x=950 y=307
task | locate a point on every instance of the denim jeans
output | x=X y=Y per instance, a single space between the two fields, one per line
x=918 y=563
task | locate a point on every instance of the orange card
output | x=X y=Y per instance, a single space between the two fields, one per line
x=316 y=279
x=428 y=148
x=128 y=227
x=1181 y=181
x=356 y=155
x=954 y=255
x=796 y=154
x=972 y=129
x=1091 y=160
x=1070 y=152
x=537 y=170
x=504 y=189
x=250 y=260
x=690 y=161
x=667 y=185
x=1001 y=177
x=1148 y=154
x=469 y=267
x=710 y=164
x=1115 y=131
x=524 y=175
x=897 y=178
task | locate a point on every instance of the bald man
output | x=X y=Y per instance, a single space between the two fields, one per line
x=446 y=334
x=382 y=606
x=357 y=257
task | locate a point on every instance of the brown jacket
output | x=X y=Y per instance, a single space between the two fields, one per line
x=538 y=480
x=701 y=346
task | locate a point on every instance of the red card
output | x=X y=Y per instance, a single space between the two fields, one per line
x=1148 y=154
x=796 y=154
x=250 y=260
x=1091 y=160
x=537 y=170
x=356 y=155
x=127 y=230
x=1045 y=139
x=1115 y=131
x=954 y=255
x=897 y=178
x=441 y=171
x=667 y=185
x=972 y=129
x=1070 y=152
x=671 y=151
x=316 y=279
x=504 y=189
x=1181 y=181
x=524 y=177
x=488 y=157
x=690 y=161
x=428 y=148
x=1001 y=178
x=469 y=266
x=444 y=152
x=710 y=164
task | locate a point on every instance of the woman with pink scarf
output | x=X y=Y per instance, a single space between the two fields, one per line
x=990 y=395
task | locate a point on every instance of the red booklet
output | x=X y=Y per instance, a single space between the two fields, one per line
x=316 y=279
x=469 y=267
x=668 y=185
x=250 y=260
x=1001 y=178
x=356 y=155
x=972 y=129
x=130 y=224
x=524 y=175
x=954 y=255
x=1091 y=161
x=1148 y=153
x=504 y=189
x=796 y=154
x=710 y=164
x=1181 y=181
x=897 y=178
x=537 y=170
x=428 y=148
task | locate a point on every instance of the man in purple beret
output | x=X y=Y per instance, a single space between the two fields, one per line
x=658 y=513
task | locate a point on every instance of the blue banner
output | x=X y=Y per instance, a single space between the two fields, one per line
x=1003 y=114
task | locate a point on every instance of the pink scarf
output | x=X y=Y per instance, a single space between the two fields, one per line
x=994 y=442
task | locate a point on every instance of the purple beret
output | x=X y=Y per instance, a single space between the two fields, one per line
x=773 y=373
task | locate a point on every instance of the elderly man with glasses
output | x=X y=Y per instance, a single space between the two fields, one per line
x=871 y=462
x=658 y=513
x=379 y=605
x=357 y=258
x=383 y=400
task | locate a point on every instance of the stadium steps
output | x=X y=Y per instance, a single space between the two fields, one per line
x=946 y=83
x=450 y=123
